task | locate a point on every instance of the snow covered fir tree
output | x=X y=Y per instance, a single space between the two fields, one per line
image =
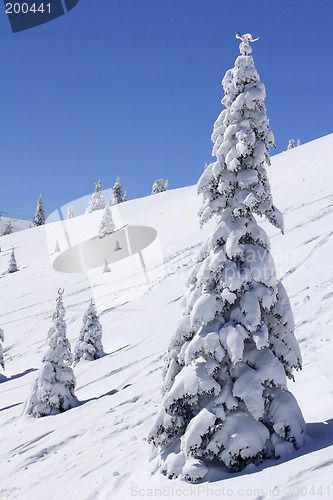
x=12 y=266
x=97 y=202
x=39 y=218
x=89 y=346
x=291 y=144
x=8 y=228
x=159 y=186
x=225 y=378
x=117 y=193
x=107 y=225
x=71 y=212
x=53 y=390
x=106 y=268
x=56 y=247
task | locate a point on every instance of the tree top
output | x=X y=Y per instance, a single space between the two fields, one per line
x=244 y=46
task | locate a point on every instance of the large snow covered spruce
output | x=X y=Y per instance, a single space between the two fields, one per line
x=53 y=390
x=225 y=379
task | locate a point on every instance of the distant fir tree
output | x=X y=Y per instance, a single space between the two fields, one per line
x=8 y=228
x=291 y=144
x=2 y=339
x=159 y=186
x=225 y=377
x=12 y=266
x=53 y=390
x=117 y=193
x=107 y=225
x=106 y=268
x=57 y=247
x=89 y=346
x=39 y=218
x=117 y=246
x=299 y=142
x=125 y=196
x=71 y=212
x=97 y=202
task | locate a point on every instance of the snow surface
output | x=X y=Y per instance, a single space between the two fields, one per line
x=99 y=449
x=18 y=225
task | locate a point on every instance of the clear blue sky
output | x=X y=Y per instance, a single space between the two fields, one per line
x=133 y=87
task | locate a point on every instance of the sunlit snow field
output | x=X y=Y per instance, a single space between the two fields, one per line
x=99 y=449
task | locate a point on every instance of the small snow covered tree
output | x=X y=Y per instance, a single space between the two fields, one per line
x=159 y=186
x=71 y=212
x=107 y=225
x=106 y=268
x=298 y=142
x=53 y=390
x=89 y=346
x=97 y=202
x=56 y=247
x=39 y=218
x=225 y=378
x=8 y=228
x=12 y=266
x=125 y=196
x=291 y=144
x=117 y=193
x=2 y=339
x=117 y=246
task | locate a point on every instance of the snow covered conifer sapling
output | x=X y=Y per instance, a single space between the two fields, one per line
x=71 y=212
x=8 y=228
x=97 y=202
x=117 y=193
x=39 y=218
x=53 y=390
x=117 y=246
x=106 y=268
x=12 y=266
x=89 y=346
x=56 y=247
x=225 y=379
x=159 y=186
x=107 y=225
x=291 y=144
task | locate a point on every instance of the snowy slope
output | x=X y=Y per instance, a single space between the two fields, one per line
x=99 y=449
x=18 y=225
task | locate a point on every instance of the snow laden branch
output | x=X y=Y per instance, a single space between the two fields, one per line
x=225 y=375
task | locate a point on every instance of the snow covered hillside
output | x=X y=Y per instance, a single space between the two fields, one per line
x=17 y=224
x=99 y=449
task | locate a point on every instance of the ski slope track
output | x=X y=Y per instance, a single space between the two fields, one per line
x=99 y=449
